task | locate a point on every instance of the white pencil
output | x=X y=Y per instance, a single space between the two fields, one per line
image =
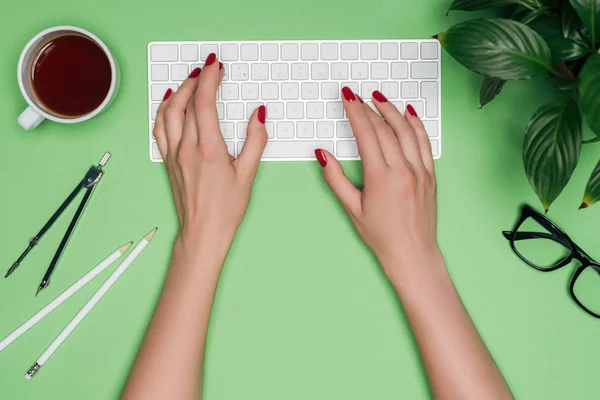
x=90 y=304
x=64 y=296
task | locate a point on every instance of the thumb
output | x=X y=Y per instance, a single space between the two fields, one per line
x=256 y=141
x=339 y=183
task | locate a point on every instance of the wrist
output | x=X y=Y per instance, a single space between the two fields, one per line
x=200 y=252
x=414 y=266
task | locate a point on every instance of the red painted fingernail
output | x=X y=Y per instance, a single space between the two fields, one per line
x=320 y=154
x=168 y=94
x=411 y=110
x=377 y=95
x=212 y=57
x=348 y=93
x=360 y=99
x=195 y=73
x=262 y=114
x=220 y=65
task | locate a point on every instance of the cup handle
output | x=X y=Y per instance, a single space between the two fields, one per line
x=29 y=119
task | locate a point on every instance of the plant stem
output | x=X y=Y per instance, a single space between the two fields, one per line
x=527 y=6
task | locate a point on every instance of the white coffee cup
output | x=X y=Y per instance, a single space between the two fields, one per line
x=37 y=112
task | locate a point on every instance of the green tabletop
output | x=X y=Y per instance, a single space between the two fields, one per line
x=302 y=311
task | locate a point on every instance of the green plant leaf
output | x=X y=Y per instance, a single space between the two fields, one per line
x=594 y=140
x=533 y=15
x=475 y=5
x=571 y=25
x=589 y=90
x=563 y=49
x=551 y=148
x=499 y=48
x=592 y=190
x=562 y=83
x=490 y=88
x=589 y=13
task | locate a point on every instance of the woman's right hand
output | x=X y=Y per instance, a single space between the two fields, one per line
x=395 y=213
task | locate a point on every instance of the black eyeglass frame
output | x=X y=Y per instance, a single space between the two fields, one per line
x=558 y=235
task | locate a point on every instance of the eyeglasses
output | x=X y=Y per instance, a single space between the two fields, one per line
x=544 y=246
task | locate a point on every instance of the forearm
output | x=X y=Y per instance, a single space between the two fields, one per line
x=171 y=358
x=457 y=362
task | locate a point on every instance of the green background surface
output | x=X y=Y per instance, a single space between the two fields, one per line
x=302 y=311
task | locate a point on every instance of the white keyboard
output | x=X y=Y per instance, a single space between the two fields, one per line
x=300 y=83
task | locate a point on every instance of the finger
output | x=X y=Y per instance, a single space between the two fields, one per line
x=368 y=144
x=390 y=146
x=159 y=126
x=205 y=104
x=403 y=130
x=348 y=195
x=424 y=144
x=175 y=111
x=256 y=140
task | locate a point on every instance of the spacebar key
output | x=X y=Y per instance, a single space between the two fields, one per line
x=296 y=148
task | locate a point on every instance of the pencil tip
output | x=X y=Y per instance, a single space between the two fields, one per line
x=125 y=247
x=583 y=205
x=149 y=236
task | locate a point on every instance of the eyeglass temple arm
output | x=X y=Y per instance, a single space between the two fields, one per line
x=535 y=235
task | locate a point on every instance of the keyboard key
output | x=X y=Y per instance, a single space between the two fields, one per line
x=285 y=130
x=239 y=72
x=280 y=72
x=352 y=85
x=269 y=52
x=154 y=110
x=156 y=152
x=231 y=148
x=225 y=72
x=235 y=111
x=319 y=71
x=249 y=52
x=424 y=70
x=249 y=91
x=163 y=52
x=179 y=72
x=359 y=70
x=309 y=51
x=206 y=49
x=305 y=130
x=389 y=51
x=242 y=130
x=227 y=130
x=373 y=107
x=399 y=70
x=346 y=148
x=310 y=90
x=157 y=91
x=330 y=91
x=390 y=89
x=269 y=91
x=270 y=128
x=399 y=106
x=335 y=110
x=410 y=90
x=289 y=52
x=329 y=51
x=409 y=51
x=367 y=88
x=324 y=129
x=379 y=70
x=435 y=148
x=189 y=52
x=339 y=70
x=230 y=91
x=296 y=149
x=429 y=51
x=432 y=128
x=294 y=110
x=314 y=110
x=369 y=51
x=299 y=71
x=418 y=106
x=229 y=52
x=250 y=107
x=221 y=111
x=260 y=72
x=349 y=51
x=429 y=92
x=343 y=129
x=274 y=110
x=159 y=72
x=290 y=91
